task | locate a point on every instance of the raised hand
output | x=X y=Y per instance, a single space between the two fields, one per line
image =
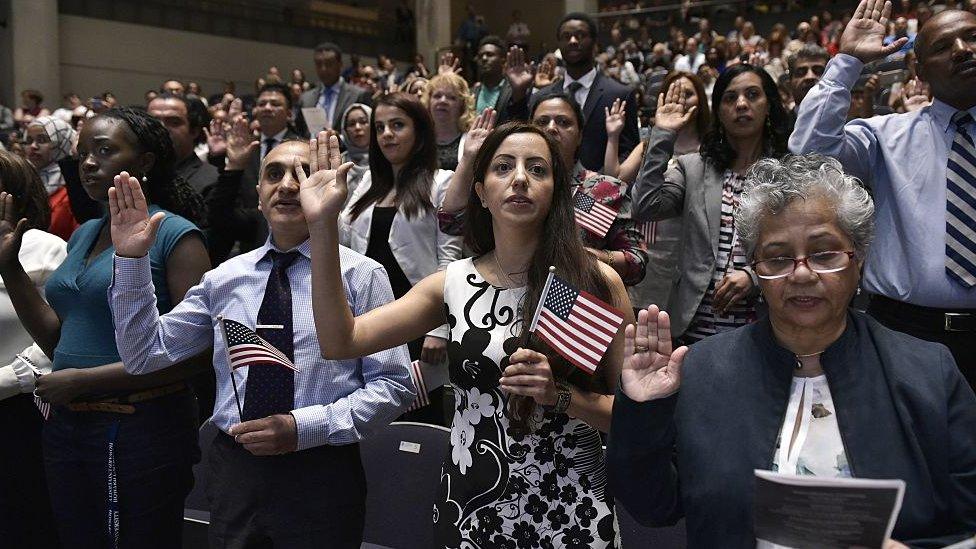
x=240 y=144
x=651 y=370
x=216 y=138
x=11 y=232
x=672 y=114
x=546 y=73
x=917 y=95
x=615 y=117
x=449 y=64
x=323 y=191
x=236 y=110
x=864 y=35
x=518 y=72
x=480 y=128
x=133 y=231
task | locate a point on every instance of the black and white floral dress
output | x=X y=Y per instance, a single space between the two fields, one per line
x=547 y=489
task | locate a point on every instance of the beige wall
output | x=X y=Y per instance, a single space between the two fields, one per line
x=99 y=55
x=540 y=15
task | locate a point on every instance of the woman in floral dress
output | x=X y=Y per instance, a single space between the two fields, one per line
x=519 y=474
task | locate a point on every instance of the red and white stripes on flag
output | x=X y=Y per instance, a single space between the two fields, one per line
x=591 y=215
x=43 y=407
x=426 y=378
x=247 y=348
x=576 y=324
x=649 y=230
x=417 y=376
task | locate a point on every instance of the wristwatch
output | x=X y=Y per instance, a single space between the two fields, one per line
x=563 y=397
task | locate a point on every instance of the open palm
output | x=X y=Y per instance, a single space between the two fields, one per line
x=651 y=370
x=323 y=191
x=133 y=231
x=11 y=232
x=864 y=35
x=672 y=114
x=517 y=71
x=480 y=129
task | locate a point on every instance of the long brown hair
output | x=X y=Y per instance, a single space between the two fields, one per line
x=19 y=178
x=415 y=180
x=559 y=245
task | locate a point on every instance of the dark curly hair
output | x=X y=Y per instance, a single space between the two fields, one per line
x=715 y=147
x=163 y=187
x=20 y=179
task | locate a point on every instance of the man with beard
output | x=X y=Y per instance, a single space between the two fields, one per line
x=921 y=166
x=495 y=88
x=806 y=67
x=593 y=91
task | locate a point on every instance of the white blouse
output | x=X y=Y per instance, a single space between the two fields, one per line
x=40 y=254
x=817 y=448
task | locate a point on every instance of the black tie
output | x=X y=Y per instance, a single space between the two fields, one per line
x=269 y=143
x=271 y=389
x=573 y=88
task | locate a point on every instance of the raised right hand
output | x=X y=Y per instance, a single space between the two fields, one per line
x=864 y=35
x=615 y=117
x=449 y=64
x=546 y=73
x=133 y=231
x=480 y=129
x=216 y=138
x=671 y=112
x=11 y=232
x=651 y=370
x=240 y=144
x=323 y=191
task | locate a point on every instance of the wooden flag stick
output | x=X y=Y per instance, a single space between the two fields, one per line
x=233 y=380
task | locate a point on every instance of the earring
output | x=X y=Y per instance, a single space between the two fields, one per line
x=145 y=179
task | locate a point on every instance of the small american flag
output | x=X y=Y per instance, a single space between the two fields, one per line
x=426 y=378
x=591 y=215
x=649 y=230
x=43 y=407
x=246 y=348
x=417 y=376
x=575 y=323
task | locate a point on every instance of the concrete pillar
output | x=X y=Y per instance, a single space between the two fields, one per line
x=433 y=28
x=585 y=6
x=31 y=58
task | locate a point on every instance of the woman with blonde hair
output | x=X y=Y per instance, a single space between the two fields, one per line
x=451 y=105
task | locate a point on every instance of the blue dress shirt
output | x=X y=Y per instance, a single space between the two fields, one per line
x=336 y=401
x=904 y=158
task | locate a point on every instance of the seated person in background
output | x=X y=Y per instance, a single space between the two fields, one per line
x=873 y=403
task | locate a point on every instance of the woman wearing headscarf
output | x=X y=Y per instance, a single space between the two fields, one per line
x=355 y=135
x=49 y=141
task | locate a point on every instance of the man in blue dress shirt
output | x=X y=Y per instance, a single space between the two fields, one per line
x=921 y=167
x=285 y=466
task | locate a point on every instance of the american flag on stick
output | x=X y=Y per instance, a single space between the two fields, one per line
x=591 y=215
x=246 y=348
x=426 y=378
x=576 y=324
x=649 y=230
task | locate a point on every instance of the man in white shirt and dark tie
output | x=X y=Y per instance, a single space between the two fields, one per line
x=284 y=469
x=921 y=167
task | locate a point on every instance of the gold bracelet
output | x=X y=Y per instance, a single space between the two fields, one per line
x=609 y=257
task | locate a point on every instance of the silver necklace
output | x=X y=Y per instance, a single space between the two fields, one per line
x=504 y=272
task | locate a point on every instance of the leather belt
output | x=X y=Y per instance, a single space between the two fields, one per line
x=949 y=320
x=124 y=404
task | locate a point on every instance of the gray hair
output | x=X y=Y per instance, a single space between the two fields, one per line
x=808 y=51
x=771 y=185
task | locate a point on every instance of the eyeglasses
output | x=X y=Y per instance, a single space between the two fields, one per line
x=801 y=72
x=820 y=263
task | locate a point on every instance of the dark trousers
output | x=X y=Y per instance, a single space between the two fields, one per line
x=25 y=510
x=154 y=448
x=315 y=498
x=928 y=324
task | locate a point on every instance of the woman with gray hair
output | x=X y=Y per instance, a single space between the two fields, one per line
x=815 y=388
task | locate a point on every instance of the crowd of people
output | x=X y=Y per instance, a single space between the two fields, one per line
x=274 y=262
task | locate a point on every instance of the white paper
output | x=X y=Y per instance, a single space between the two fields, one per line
x=315 y=119
x=407 y=446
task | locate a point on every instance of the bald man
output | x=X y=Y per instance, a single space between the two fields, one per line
x=921 y=166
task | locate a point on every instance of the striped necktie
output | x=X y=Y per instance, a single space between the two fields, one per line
x=961 y=205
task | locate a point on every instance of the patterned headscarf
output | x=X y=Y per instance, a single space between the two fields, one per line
x=59 y=132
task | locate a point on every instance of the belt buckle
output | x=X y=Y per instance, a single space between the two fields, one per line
x=948 y=321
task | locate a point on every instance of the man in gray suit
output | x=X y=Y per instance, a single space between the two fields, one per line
x=332 y=94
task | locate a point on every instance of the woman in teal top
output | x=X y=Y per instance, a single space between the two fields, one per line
x=118 y=449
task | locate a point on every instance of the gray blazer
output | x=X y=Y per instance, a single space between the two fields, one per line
x=691 y=189
x=348 y=94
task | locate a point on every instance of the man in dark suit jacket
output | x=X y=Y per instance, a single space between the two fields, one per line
x=233 y=203
x=592 y=90
x=332 y=94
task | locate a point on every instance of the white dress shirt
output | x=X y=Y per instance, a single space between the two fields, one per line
x=586 y=81
x=40 y=254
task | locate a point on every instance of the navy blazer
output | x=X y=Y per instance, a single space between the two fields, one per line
x=602 y=93
x=903 y=410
